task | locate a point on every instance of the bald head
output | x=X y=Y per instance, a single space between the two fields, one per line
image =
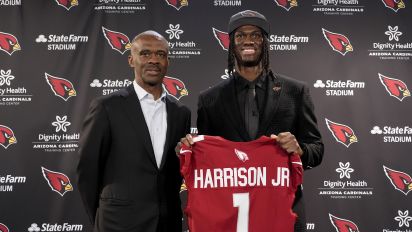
x=152 y=34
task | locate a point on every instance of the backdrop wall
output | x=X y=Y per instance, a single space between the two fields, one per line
x=356 y=56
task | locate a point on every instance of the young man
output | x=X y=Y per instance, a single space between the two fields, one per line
x=128 y=173
x=255 y=101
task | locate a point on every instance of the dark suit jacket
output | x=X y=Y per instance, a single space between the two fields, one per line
x=288 y=108
x=120 y=184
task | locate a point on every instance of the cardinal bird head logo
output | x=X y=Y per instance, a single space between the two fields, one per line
x=396 y=88
x=343 y=225
x=3 y=228
x=287 y=4
x=241 y=155
x=7 y=137
x=57 y=181
x=400 y=180
x=342 y=133
x=175 y=87
x=338 y=42
x=67 y=4
x=117 y=40
x=61 y=87
x=177 y=4
x=222 y=38
x=9 y=43
x=395 y=5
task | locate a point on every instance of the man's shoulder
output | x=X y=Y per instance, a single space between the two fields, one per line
x=112 y=98
x=289 y=80
x=177 y=104
x=216 y=90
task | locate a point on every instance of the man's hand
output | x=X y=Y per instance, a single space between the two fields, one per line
x=288 y=142
x=188 y=141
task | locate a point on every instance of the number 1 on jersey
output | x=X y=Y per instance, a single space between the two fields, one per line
x=241 y=200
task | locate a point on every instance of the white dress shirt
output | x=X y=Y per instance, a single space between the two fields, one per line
x=155 y=115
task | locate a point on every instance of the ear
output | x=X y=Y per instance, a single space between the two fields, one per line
x=130 y=60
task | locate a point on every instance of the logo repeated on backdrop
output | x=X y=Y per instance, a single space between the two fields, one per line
x=338 y=7
x=175 y=87
x=62 y=42
x=7 y=136
x=177 y=4
x=286 y=4
x=10 y=3
x=67 y=4
x=402 y=220
x=110 y=85
x=120 y=6
x=345 y=187
x=117 y=40
x=11 y=95
x=339 y=88
x=55 y=227
x=395 y=87
x=342 y=133
x=343 y=225
x=227 y=3
x=9 y=43
x=8 y=182
x=226 y=75
x=57 y=181
x=394 y=5
x=222 y=37
x=392 y=49
x=401 y=181
x=286 y=42
x=394 y=134
x=338 y=42
x=3 y=228
x=61 y=87
x=58 y=140
x=180 y=49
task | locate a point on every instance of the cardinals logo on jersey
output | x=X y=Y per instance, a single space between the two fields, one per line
x=395 y=5
x=241 y=155
x=3 y=228
x=61 y=87
x=343 y=225
x=177 y=4
x=117 y=40
x=396 y=88
x=67 y=4
x=175 y=87
x=9 y=43
x=222 y=38
x=7 y=137
x=287 y=4
x=400 y=180
x=342 y=133
x=57 y=181
x=338 y=42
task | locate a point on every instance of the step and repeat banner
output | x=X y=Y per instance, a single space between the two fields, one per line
x=355 y=55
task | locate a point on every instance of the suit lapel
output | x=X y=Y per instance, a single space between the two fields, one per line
x=272 y=102
x=134 y=112
x=232 y=111
x=171 y=125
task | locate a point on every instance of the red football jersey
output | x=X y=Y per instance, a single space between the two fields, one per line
x=239 y=186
